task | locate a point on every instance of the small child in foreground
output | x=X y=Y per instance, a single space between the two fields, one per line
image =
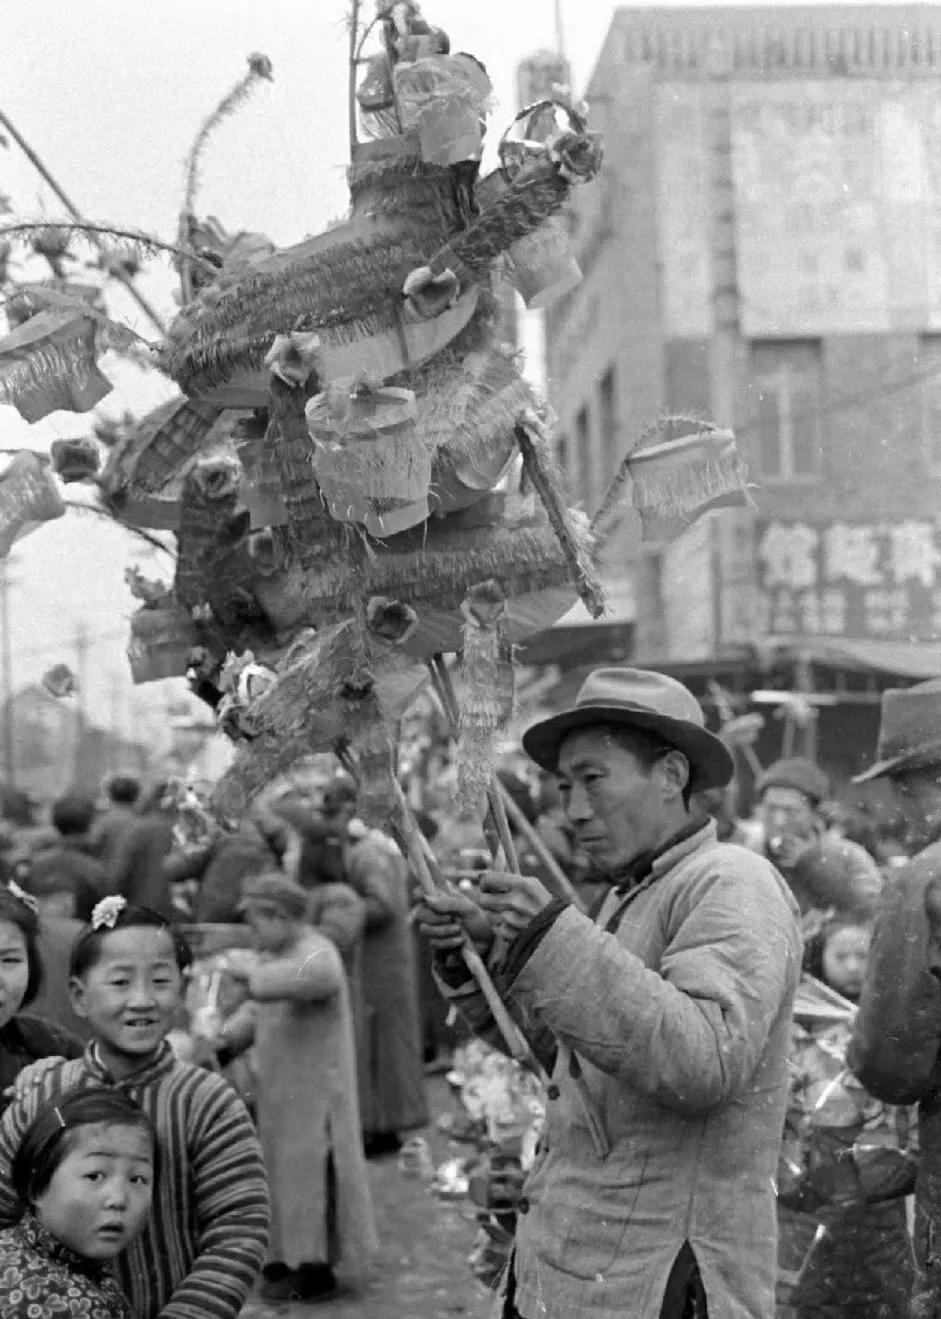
x=85 y=1169
x=204 y=1244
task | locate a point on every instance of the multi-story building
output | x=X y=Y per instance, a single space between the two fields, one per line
x=764 y=250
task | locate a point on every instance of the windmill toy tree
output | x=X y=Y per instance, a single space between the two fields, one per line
x=343 y=468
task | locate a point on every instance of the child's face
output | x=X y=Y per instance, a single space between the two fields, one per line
x=271 y=928
x=131 y=996
x=845 y=956
x=14 y=970
x=99 y=1196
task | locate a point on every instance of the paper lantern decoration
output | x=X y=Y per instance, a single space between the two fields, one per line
x=48 y=364
x=541 y=266
x=161 y=641
x=60 y=681
x=370 y=460
x=677 y=481
x=28 y=495
x=75 y=460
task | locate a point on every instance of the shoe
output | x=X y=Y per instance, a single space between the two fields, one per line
x=380 y=1143
x=279 y=1283
x=315 y=1282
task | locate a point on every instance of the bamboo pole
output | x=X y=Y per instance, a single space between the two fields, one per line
x=118 y=274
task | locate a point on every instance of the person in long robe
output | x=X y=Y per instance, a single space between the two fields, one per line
x=308 y=1111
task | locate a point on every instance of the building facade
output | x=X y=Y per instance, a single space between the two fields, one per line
x=764 y=250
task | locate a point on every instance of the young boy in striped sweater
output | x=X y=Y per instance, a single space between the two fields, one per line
x=205 y=1243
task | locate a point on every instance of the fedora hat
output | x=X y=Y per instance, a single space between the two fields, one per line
x=638 y=698
x=909 y=730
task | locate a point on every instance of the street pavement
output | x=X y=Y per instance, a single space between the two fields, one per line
x=422 y=1270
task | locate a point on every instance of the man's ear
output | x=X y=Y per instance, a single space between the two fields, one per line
x=77 y=996
x=674 y=768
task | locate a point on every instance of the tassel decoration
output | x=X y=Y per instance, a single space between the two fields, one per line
x=678 y=481
x=488 y=691
x=28 y=495
x=48 y=364
x=370 y=459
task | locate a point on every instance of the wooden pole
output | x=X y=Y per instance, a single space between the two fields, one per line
x=118 y=274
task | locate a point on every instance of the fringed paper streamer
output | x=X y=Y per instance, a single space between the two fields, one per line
x=444 y=98
x=173 y=442
x=308 y=519
x=370 y=459
x=60 y=681
x=161 y=640
x=547 y=482
x=48 y=364
x=487 y=691
x=676 y=482
x=373 y=745
x=541 y=266
x=75 y=460
x=28 y=496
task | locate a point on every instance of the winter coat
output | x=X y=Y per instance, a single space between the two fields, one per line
x=393 y=1086
x=71 y=860
x=219 y=870
x=896 y=1046
x=338 y=911
x=835 y=874
x=40 y=1278
x=108 y=830
x=25 y=1039
x=308 y=1112
x=138 y=869
x=666 y=1024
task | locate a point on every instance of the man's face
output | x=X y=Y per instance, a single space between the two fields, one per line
x=787 y=813
x=613 y=801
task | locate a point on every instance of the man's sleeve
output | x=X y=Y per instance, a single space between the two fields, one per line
x=690 y=1033
x=232 y=1209
x=897 y=1033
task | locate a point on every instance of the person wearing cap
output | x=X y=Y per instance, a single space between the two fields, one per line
x=826 y=874
x=664 y=1023
x=308 y=1111
x=896 y=1046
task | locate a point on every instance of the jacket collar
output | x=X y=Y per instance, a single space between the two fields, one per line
x=41 y=1240
x=650 y=865
x=158 y=1064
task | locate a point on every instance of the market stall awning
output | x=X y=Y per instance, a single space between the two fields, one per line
x=909 y=659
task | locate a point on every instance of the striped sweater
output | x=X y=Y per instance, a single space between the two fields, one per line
x=206 y=1238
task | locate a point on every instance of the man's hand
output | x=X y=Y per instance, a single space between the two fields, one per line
x=444 y=918
x=511 y=901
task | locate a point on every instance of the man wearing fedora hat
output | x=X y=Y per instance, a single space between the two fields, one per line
x=896 y=1045
x=663 y=1022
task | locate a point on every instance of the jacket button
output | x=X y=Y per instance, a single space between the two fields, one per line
x=553 y=1091
x=523 y=1204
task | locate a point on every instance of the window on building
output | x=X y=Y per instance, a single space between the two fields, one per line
x=786 y=396
x=929 y=370
x=582 y=458
x=608 y=422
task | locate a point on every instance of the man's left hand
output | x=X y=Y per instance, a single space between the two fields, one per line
x=511 y=901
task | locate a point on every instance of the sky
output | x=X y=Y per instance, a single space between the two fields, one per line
x=110 y=93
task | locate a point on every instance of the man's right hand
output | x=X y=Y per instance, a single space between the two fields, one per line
x=445 y=918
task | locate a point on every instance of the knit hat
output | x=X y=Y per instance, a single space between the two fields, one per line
x=275 y=890
x=797 y=773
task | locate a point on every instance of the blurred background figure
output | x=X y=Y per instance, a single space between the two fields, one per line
x=392 y=1089
x=69 y=860
x=112 y=824
x=137 y=872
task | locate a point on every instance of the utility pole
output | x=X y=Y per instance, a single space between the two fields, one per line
x=6 y=677
x=81 y=644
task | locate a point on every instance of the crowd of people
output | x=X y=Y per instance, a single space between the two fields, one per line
x=734 y=1020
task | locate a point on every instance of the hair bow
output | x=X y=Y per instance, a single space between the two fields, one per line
x=22 y=896
x=106 y=912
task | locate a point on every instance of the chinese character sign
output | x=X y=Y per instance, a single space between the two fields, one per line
x=851 y=579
